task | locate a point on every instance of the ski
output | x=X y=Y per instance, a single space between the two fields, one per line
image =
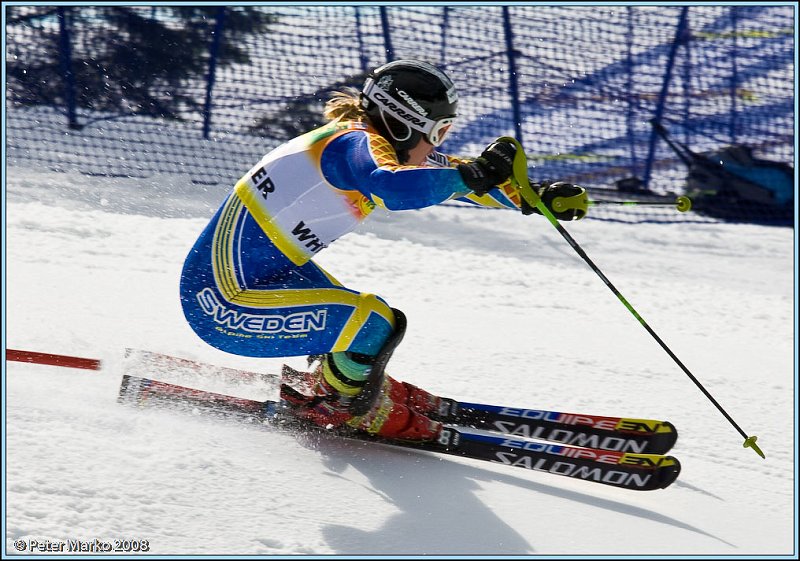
x=141 y=360
x=626 y=470
x=592 y=431
x=619 y=434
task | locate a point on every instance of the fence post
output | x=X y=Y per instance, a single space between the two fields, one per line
x=66 y=67
x=445 y=24
x=362 y=51
x=630 y=116
x=512 y=78
x=734 y=73
x=387 y=35
x=662 y=97
x=212 y=68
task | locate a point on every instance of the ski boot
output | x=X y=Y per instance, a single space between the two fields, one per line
x=413 y=397
x=402 y=392
x=324 y=398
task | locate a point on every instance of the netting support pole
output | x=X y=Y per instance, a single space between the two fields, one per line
x=387 y=34
x=445 y=24
x=662 y=97
x=630 y=118
x=362 y=51
x=216 y=41
x=513 y=85
x=734 y=72
x=66 y=67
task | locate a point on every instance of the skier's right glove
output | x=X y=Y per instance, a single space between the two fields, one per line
x=493 y=167
x=565 y=200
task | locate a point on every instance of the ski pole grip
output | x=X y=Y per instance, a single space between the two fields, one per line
x=520 y=172
x=520 y=177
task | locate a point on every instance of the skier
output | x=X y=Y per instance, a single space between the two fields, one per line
x=250 y=286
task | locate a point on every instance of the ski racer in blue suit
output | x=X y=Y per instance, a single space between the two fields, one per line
x=250 y=286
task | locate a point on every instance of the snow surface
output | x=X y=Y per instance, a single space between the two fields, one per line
x=500 y=310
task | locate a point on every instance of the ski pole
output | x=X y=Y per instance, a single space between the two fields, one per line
x=520 y=176
x=683 y=204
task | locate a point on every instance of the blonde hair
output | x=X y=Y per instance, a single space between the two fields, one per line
x=345 y=105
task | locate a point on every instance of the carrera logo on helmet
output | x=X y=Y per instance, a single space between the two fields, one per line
x=412 y=102
x=399 y=110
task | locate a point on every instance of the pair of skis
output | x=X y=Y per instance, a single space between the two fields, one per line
x=621 y=452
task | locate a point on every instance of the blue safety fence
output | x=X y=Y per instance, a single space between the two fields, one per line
x=633 y=102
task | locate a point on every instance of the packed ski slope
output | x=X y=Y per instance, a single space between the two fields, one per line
x=500 y=310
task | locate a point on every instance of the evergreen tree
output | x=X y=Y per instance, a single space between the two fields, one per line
x=125 y=59
x=301 y=114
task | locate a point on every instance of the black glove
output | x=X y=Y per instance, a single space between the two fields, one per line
x=572 y=203
x=490 y=169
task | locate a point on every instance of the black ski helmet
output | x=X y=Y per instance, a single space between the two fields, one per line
x=407 y=100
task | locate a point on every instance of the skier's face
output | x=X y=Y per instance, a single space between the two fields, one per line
x=419 y=153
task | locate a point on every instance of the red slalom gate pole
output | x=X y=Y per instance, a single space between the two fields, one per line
x=53 y=360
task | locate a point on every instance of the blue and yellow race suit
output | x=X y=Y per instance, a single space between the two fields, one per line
x=249 y=285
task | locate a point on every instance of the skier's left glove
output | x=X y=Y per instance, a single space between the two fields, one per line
x=493 y=167
x=565 y=200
